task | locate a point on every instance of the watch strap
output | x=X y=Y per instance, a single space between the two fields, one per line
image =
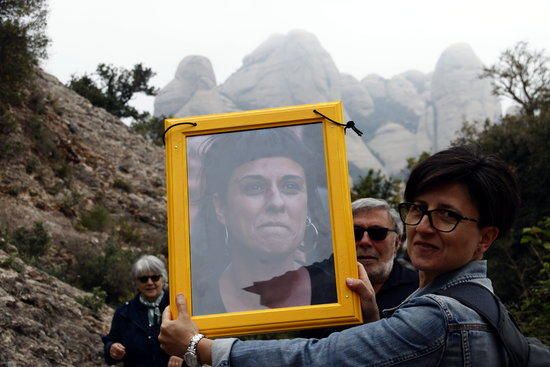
x=193 y=344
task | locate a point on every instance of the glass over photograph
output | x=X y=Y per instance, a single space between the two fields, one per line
x=260 y=226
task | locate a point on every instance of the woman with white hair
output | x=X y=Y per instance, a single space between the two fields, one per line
x=133 y=338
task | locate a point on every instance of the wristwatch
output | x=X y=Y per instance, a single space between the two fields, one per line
x=191 y=357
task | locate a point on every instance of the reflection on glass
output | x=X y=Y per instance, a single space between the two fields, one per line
x=260 y=237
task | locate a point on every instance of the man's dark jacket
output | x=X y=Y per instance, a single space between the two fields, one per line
x=400 y=284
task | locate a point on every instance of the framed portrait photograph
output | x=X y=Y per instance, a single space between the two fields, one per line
x=259 y=220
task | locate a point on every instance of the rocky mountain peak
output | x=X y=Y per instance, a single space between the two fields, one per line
x=194 y=73
x=458 y=56
x=294 y=68
x=284 y=70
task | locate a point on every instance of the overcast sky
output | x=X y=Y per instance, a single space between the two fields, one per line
x=362 y=36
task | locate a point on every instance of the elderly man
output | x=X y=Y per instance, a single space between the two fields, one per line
x=378 y=232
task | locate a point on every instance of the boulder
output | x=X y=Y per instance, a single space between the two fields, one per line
x=459 y=95
x=360 y=157
x=375 y=85
x=393 y=144
x=205 y=102
x=285 y=70
x=358 y=102
x=194 y=73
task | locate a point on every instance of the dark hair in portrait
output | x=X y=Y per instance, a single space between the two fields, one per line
x=221 y=155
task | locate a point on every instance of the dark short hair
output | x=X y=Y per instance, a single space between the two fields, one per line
x=490 y=183
x=223 y=153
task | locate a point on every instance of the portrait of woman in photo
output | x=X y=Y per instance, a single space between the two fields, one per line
x=262 y=227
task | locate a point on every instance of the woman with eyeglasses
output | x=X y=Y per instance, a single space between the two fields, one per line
x=458 y=202
x=133 y=338
x=264 y=227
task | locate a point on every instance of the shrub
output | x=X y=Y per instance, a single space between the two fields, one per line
x=150 y=127
x=31 y=165
x=64 y=171
x=129 y=233
x=94 y=301
x=8 y=124
x=533 y=312
x=110 y=270
x=44 y=140
x=122 y=185
x=98 y=219
x=376 y=184
x=12 y=262
x=33 y=242
x=68 y=203
x=22 y=44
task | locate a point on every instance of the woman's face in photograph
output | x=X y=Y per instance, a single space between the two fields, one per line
x=266 y=207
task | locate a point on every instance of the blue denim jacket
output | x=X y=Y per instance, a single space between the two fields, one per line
x=425 y=330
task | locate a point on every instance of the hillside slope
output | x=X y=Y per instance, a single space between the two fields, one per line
x=42 y=323
x=81 y=196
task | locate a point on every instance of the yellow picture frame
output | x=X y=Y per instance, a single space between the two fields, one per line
x=180 y=131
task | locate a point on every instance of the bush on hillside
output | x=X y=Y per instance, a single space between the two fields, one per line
x=23 y=43
x=32 y=242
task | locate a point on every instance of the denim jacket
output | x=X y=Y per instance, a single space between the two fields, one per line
x=425 y=330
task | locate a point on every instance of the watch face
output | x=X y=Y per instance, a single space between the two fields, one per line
x=190 y=359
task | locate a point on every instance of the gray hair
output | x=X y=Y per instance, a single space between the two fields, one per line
x=149 y=264
x=368 y=204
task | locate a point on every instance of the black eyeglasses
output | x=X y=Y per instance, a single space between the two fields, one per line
x=375 y=233
x=444 y=220
x=145 y=278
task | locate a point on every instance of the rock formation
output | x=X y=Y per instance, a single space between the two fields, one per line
x=193 y=91
x=294 y=69
x=285 y=70
x=458 y=94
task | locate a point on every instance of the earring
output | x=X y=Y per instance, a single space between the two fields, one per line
x=309 y=224
x=226 y=236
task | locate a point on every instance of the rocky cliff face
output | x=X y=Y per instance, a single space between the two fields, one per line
x=43 y=322
x=61 y=158
x=295 y=69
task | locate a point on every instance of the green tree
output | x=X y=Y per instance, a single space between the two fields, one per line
x=413 y=161
x=524 y=143
x=533 y=312
x=151 y=127
x=519 y=263
x=23 y=43
x=112 y=88
x=523 y=75
x=375 y=184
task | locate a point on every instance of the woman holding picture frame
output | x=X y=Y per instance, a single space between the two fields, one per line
x=261 y=223
x=458 y=202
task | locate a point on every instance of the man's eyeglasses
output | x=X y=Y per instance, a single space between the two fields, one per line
x=444 y=220
x=375 y=233
x=145 y=278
